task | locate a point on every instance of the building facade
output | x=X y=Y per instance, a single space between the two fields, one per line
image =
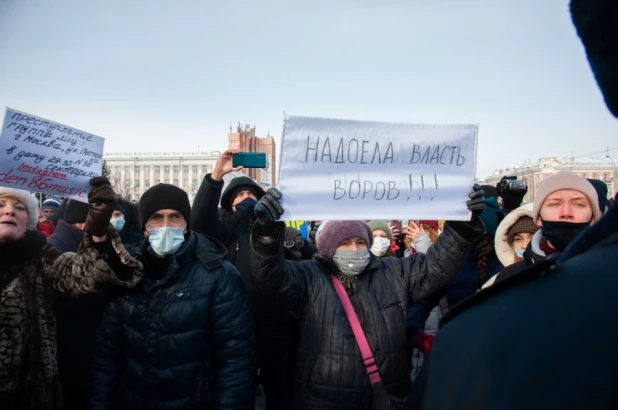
x=533 y=174
x=133 y=173
x=244 y=139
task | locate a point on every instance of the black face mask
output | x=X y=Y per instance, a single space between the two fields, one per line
x=561 y=234
x=247 y=205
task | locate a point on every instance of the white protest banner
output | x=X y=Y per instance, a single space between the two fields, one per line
x=44 y=156
x=357 y=170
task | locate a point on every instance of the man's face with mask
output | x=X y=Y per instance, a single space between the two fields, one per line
x=563 y=215
x=566 y=205
x=241 y=196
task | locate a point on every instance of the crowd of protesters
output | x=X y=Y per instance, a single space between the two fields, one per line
x=166 y=304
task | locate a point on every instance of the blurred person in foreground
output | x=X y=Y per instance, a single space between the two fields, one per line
x=530 y=348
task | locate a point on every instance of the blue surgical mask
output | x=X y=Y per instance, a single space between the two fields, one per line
x=247 y=205
x=167 y=240
x=118 y=223
x=519 y=252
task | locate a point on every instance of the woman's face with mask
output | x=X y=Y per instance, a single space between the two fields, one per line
x=352 y=243
x=521 y=240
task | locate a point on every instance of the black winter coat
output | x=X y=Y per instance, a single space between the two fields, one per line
x=525 y=342
x=329 y=370
x=183 y=340
x=272 y=320
x=77 y=319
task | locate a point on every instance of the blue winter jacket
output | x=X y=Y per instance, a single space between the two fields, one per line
x=184 y=340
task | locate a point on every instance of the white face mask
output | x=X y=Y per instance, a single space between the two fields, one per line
x=380 y=246
x=166 y=240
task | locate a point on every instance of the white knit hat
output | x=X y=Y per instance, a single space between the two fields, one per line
x=566 y=180
x=28 y=200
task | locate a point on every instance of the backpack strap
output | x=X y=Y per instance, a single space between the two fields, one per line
x=370 y=362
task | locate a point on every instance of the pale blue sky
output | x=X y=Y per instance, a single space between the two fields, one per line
x=170 y=75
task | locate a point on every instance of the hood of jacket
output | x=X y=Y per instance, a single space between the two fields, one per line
x=233 y=189
x=505 y=253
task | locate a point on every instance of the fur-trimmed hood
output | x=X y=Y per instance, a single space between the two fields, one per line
x=505 y=252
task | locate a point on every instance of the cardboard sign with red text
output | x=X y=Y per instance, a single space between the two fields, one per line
x=44 y=156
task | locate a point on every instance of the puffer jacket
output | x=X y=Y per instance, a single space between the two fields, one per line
x=32 y=275
x=183 y=340
x=233 y=229
x=329 y=369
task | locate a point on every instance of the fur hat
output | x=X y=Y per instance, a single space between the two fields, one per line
x=566 y=180
x=380 y=225
x=525 y=224
x=75 y=212
x=28 y=200
x=332 y=233
x=163 y=196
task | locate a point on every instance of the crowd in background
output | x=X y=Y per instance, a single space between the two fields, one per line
x=166 y=304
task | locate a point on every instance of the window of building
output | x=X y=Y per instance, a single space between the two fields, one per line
x=147 y=184
x=176 y=182
x=605 y=178
x=595 y=176
x=584 y=175
x=157 y=170
x=204 y=169
x=185 y=169
x=166 y=169
x=194 y=182
x=195 y=169
x=175 y=168
x=146 y=170
x=157 y=180
x=127 y=169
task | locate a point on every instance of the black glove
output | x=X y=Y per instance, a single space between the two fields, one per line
x=476 y=204
x=293 y=239
x=510 y=200
x=102 y=200
x=268 y=209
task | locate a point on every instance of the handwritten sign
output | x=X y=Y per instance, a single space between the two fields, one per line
x=357 y=170
x=44 y=156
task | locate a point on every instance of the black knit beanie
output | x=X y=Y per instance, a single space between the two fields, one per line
x=75 y=212
x=163 y=196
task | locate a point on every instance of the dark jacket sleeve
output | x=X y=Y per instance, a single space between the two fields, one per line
x=233 y=336
x=273 y=275
x=107 y=364
x=429 y=272
x=205 y=215
x=420 y=311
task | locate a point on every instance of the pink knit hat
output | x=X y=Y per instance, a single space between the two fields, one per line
x=332 y=233
x=566 y=180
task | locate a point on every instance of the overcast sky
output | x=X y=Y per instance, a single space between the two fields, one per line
x=171 y=75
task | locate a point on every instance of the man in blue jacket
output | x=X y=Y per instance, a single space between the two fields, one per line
x=183 y=338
